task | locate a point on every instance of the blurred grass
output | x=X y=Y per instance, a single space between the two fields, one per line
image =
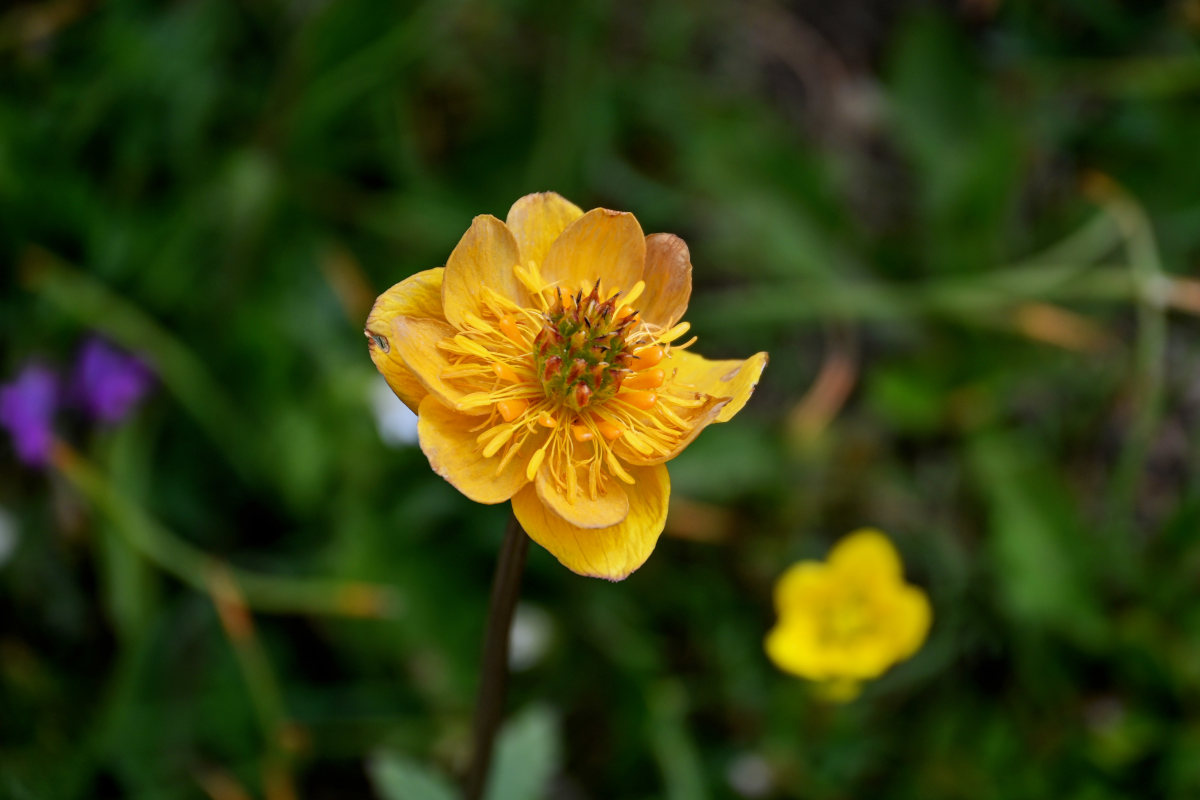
x=900 y=197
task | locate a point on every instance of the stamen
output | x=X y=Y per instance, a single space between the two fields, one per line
x=609 y=430
x=506 y=373
x=642 y=400
x=496 y=443
x=646 y=357
x=581 y=433
x=648 y=379
x=508 y=326
x=635 y=293
x=535 y=463
x=474 y=348
x=675 y=333
x=511 y=409
x=546 y=421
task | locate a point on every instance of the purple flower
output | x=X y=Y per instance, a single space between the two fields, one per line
x=27 y=407
x=108 y=383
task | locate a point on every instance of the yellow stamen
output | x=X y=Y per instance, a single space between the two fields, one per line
x=474 y=348
x=609 y=430
x=675 y=333
x=535 y=463
x=508 y=326
x=635 y=292
x=511 y=409
x=649 y=379
x=498 y=441
x=581 y=433
x=642 y=400
x=506 y=373
x=646 y=357
x=546 y=421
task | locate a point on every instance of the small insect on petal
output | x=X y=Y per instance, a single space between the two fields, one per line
x=511 y=409
x=647 y=379
x=646 y=357
x=642 y=400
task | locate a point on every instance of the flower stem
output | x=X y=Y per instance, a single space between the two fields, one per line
x=506 y=588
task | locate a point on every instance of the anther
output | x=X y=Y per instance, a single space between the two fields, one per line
x=646 y=357
x=609 y=430
x=508 y=326
x=635 y=293
x=511 y=409
x=642 y=400
x=581 y=433
x=546 y=421
x=535 y=462
x=506 y=373
x=646 y=379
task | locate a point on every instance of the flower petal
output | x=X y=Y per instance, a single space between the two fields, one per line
x=416 y=296
x=415 y=340
x=668 y=277
x=449 y=443
x=483 y=261
x=735 y=379
x=801 y=588
x=612 y=552
x=536 y=220
x=794 y=645
x=601 y=245
x=868 y=556
x=913 y=618
x=584 y=512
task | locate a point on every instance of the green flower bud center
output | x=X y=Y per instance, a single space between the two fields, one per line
x=583 y=351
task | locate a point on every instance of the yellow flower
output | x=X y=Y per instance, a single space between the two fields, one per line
x=847 y=620
x=545 y=367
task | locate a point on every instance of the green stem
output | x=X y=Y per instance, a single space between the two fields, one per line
x=506 y=588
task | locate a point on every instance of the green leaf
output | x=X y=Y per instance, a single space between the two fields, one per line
x=397 y=777
x=528 y=754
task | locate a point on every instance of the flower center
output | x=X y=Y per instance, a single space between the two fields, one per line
x=584 y=351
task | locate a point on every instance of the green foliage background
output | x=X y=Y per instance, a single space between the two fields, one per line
x=903 y=194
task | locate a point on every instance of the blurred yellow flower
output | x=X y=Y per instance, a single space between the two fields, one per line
x=848 y=619
x=544 y=366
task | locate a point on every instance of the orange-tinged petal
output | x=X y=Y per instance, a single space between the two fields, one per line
x=583 y=512
x=734 y=379
x=415 y=340
x=450 y=445
x=417 y=296
x=868 y=555
x=612 y=552
x=482 y=261
x=536 y=220
x=668 y=277
x=602 y=244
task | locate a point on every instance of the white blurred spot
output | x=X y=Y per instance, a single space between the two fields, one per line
x=8 y=536
x=529 y=639
x=750 y=775
x=396 y=423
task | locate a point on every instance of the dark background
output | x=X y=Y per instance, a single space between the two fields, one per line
x=962 y=231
